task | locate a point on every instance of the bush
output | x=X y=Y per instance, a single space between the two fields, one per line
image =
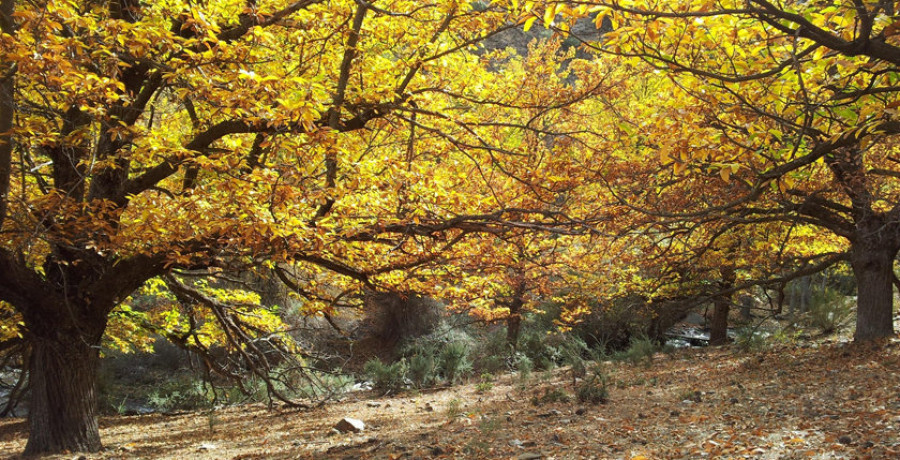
x=540 y=347
x=455 y=361
x=828 y=311
x=593 y=389
x=179 y=394
x=486 y=384
x=523 y=365
x=490 y=350
x=611 y=325
x=550 y=396
x=386 y=378
x=422 y=369
x=751 y=339
x=315 y=384
x=640 y=350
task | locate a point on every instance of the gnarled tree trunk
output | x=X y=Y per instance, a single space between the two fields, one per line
x=63 y=411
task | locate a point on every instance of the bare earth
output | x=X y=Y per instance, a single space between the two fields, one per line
x=829 y=401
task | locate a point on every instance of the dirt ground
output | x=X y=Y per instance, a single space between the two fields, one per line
x=825 y=401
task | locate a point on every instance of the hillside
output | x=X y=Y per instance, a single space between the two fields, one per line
x=834 y=400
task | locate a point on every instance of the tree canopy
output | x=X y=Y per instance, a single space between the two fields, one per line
x=152 y=148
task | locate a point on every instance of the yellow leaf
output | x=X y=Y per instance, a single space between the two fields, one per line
x=530 y=22
x=548 y=17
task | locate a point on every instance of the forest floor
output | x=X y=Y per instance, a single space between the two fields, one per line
x=825 y=400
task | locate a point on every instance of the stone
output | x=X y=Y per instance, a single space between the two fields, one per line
x=373 y=404
x=350 y=425
x=206 y=447
x=530 y=456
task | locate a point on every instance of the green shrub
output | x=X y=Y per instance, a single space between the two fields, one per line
x=179 y=394
x=551 y=395
x=454 y=361
x=523 y=366
x=484 y=387
x=486 y=384
x=316 y=385
x=540 y=347
x=593 y=389
x=490 y=350
x=640 y=350
x=751 y=339
x=454 y=408
x=386 y=378
x=828 y=311
x=422 y=369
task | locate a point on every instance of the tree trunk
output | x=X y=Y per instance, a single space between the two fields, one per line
x=873 y=268
x=718 y=330
x=7 y=108
x=63 y=412
x=513 y=323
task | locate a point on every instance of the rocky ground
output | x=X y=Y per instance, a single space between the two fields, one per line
x=830 y=400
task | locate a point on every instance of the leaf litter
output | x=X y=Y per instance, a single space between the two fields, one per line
x=815 y=401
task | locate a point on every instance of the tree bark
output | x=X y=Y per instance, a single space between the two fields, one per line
x=7 y=108
x=63 y=412
x=513 y=323
x=718 y=330
x=873 y=268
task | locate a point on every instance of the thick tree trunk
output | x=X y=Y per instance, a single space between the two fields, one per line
x=873 y=268
x=63 y=412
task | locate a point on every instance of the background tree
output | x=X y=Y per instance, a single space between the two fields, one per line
x=792 y=104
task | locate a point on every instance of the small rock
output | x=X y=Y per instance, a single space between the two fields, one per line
x=530 y=456
x=674 y=413
x=206 y=447
x=429 y=407
x=373 y=404
x=845 y=439
x=515 y=443
x=350 y=425
x=868 y=445
x=580 y=411
x=733 y=400
x=436 y=450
